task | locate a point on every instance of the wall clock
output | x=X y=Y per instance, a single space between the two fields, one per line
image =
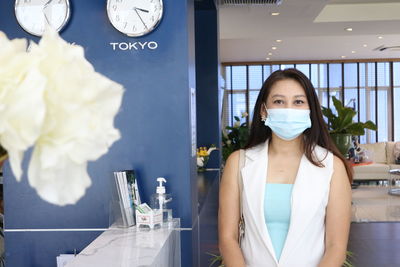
x=34 y=15
x=135 y=17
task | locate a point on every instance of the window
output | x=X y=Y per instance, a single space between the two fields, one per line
x=396 y=100
x=304 y=68
x=372 y=89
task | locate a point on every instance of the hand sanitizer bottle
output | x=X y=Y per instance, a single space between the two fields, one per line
x=160 y=200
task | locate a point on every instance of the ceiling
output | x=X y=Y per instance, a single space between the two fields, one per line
x=248 y=32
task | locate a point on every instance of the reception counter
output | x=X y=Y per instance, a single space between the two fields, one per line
x=161 y=247
x=130 y=247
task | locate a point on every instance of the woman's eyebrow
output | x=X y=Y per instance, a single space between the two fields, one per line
x=299 y=96
x=278 y=96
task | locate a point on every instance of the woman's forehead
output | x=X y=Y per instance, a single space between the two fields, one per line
x=287 y=88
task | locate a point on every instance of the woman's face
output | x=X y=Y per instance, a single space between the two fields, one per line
x=287 y=94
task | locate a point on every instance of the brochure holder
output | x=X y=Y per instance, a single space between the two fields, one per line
x=120 y=217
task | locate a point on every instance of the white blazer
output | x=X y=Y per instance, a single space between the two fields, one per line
x=305 y=242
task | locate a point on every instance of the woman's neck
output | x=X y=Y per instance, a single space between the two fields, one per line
x=283 y=147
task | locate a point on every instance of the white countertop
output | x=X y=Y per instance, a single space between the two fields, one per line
x=133 y=247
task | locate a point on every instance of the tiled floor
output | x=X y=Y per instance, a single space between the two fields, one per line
x=375 y=231
x=375 y=244
x=374 y=235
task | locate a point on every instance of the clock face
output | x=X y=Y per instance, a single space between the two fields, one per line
x=34 y=15
x=135 y=17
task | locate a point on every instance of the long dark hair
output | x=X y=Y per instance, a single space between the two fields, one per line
x=316 y=135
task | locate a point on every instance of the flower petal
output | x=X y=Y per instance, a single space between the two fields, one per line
x=22 y=105
x=63 y=184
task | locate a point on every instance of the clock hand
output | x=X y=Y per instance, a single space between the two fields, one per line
x=141 y=9
x=47 y=3
x=140 y=18
x=44 y=11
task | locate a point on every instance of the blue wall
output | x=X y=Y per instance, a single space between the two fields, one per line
x=207 y=80
x=155 y=124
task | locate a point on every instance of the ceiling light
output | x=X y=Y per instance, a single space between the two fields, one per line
x=275 y=13
x=380 y=37
x=364 y=45
x=269 y=54
x=343 y=56
x=267 y=58
x=273 y=48
x=278 y=41
x=348 y=29
x=353 y=52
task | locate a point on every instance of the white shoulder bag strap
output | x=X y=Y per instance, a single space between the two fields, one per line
x=240 y=182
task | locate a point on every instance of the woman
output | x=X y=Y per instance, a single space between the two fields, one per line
x=296 y=193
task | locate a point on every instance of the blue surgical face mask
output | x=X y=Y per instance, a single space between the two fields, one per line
x=288 y=123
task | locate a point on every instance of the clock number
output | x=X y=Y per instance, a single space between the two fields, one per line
x=126 y=24
x=152 y=18
x=117 y=18
x=114 y=7
x=27 y=1
x=134 y=28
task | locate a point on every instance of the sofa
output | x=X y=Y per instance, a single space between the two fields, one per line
x=383 y=160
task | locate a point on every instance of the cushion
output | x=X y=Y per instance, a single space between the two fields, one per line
x=390 y=152
x=378 y=150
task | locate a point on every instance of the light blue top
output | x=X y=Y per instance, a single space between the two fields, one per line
x=277 y=208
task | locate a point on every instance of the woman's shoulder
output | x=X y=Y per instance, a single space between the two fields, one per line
x=233 y=157
x=338 y=164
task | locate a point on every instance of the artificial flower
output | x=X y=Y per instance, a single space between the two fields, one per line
x=203 y=155
x=78 y=126
x=22 y=106
x=52 y=98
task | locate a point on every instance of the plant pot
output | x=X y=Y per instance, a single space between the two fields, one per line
x=343 y=143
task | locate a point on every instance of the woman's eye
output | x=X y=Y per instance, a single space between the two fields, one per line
x=299 y=102
x=278 y=101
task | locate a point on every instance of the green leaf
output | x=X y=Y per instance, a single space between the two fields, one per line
x=356 y=129
x=349 y=256
x=347 y=118
x=338 y=105
x=327 y=112
x=237 y=118
x=370 y=125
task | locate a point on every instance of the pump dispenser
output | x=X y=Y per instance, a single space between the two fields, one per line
x=160 y=200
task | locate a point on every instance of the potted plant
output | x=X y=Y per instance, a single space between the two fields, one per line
x=342 y=127
x=234 y=138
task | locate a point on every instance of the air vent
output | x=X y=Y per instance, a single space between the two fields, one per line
x=249 y=2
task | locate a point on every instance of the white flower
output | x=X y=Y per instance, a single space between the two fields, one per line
x=211 y=149
x=200 y=161
x=236 y=124
x=22 y=106
x=228 y=142
x=78 y=125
